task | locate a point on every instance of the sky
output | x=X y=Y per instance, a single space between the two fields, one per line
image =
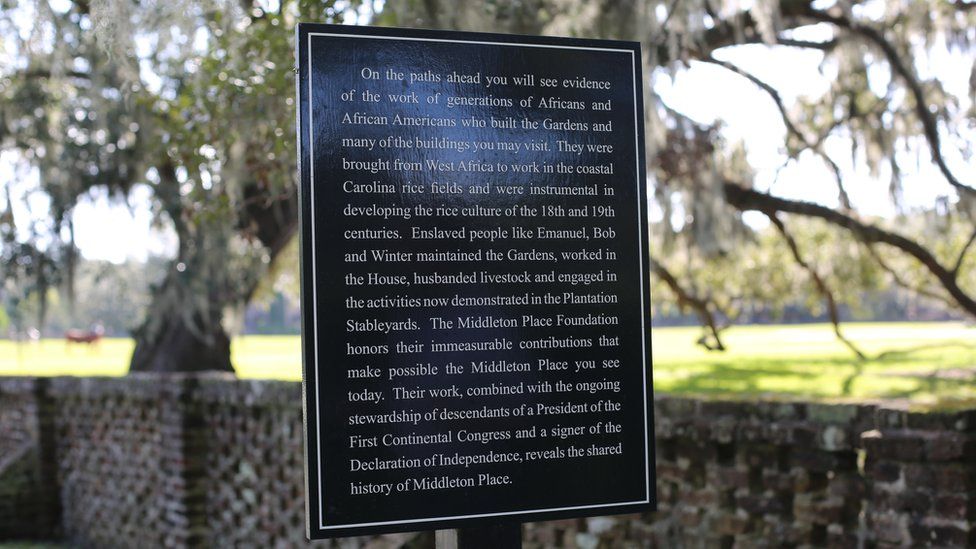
x=709 y=93
x=106 y=229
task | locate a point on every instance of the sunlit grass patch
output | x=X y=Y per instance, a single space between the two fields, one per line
x=924 y=363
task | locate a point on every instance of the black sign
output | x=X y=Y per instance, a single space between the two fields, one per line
x=475 y=279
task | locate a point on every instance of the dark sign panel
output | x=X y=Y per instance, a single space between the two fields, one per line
x=475 y=279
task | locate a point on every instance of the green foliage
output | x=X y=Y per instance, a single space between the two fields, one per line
x=759 y=274
x=192 y=101
x=109 y=295
x=283 y=277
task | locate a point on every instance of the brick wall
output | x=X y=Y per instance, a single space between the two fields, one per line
x=204 y=461
x=254 y=487
x=922 y=474
x=122 y=469
x=28 y=503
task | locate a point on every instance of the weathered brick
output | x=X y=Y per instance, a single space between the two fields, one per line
x=841 y=540
x=731 y=523
x=669 y=471
x=727 y=477
x=890 y=418
x=689 y=517
x=934 y=421
x=217 y=462
x=732 y=408
x=830 y=510
x=916 y=474
x=894 y=445
x=804 y=436
x=939 y=536
x=953 y=478
x=955 y=507
x=761 y=504
x=889 y=527
x=823 y=461
x=694 y=449
x=751 y=431
x=832 y=414
x=849 y=486
x=820 y=510
x=708 y=498
x=781 y=411
x=776 y=481
x=912 y=502
x=780 y=433
x=758 y=455
x=667 y=407
x=950 y=446
x=834 y=438
x=663 y=429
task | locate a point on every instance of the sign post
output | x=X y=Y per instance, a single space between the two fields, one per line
x=475 y=281
x=506 y=535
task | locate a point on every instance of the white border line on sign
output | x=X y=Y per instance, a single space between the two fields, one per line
x=315 y=344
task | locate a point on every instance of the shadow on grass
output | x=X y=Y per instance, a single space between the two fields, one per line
x=798 y=376
x=933 y=382
x=719 y=377
x=940 y=388
x=902 y=354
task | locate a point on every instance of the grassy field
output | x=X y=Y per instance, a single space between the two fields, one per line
x=925 y=363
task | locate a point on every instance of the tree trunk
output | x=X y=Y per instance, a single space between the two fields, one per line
x=174 y=347
x=170 y=340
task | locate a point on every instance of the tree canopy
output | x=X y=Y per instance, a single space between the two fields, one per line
x=195 y=102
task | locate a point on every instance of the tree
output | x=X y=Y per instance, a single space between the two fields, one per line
x=194 y=101
x=709 y=183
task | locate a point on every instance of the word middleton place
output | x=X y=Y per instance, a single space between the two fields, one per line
x=474 y=279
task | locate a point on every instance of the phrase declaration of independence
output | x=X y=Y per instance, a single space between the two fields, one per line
x=480 y=285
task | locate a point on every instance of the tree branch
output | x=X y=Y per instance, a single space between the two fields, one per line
x=667 y=18
x=964 y=6
x=47 y=73
x=687 y=299
x=962 y=254
x=899 y=281
x=273 y=219
x=818 y=281
x=741 y=28
x=816 y=147
x=84 y=7
x=829 y=45
x=930 y=125
x=747 y=199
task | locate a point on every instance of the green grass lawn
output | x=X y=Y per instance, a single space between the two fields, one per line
x=925 y=363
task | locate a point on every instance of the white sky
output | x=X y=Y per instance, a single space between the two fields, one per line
x=710 y=93
x=116 y=232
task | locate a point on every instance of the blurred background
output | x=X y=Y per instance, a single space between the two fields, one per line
x=810 y=168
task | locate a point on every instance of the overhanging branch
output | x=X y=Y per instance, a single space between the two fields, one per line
x=900 y=281
x=741 y=28
x=791 y=127
x=687 y=299
x=47 y=73
x=962 y=254
x=818 y=281
x=745 y=199
x=930 y=125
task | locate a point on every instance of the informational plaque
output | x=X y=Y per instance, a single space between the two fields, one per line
x=475 y=281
